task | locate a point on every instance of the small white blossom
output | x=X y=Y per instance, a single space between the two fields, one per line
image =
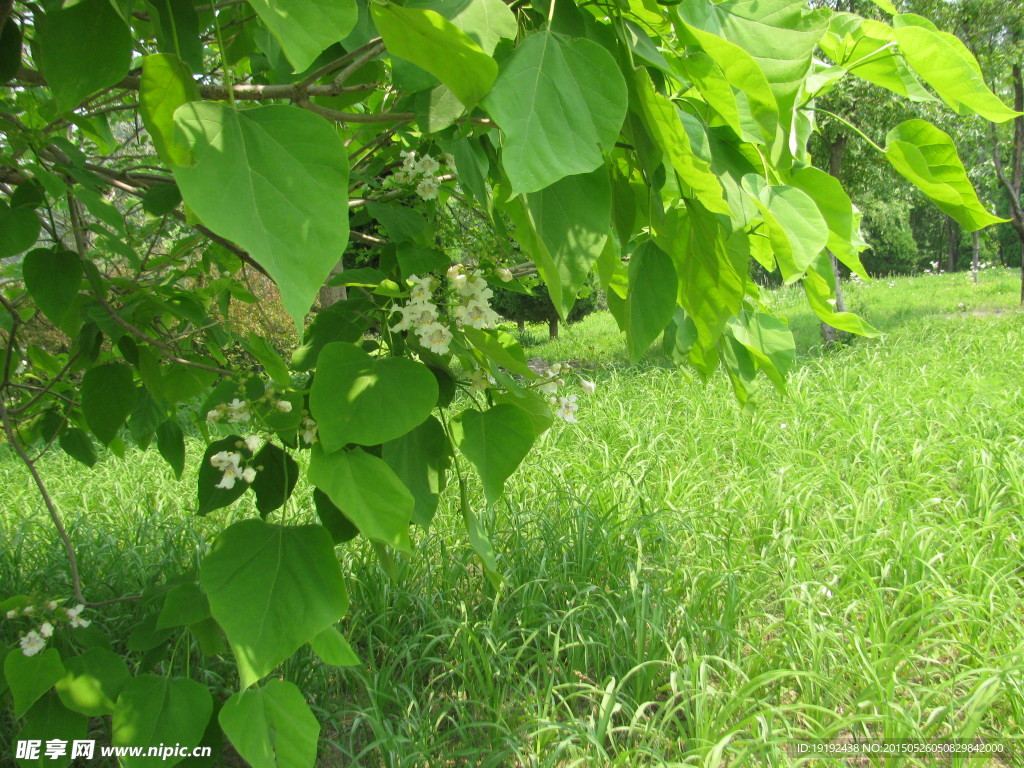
x=428 y=187
x=28 y=610
x=826 y=592
x=454 y=271
x=284 y=406
x=248 y=474
x=588 y=387
x=238 y=410
x=51 y=605
x=12 y=614
x=213 y=415
x=437 y=338
x=32 y=643
x=567 y=408
x=309 y=428
x=253 y=443
x=46 y=630
x=428 y=166
x=505 y=274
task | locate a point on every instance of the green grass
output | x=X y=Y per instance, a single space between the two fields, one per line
x=686 y=584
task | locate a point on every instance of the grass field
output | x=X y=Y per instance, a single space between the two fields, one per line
x=686 y=584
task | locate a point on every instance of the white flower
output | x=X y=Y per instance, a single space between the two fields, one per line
x=46 y=630
x=253 y=443
x=32 y=643
x=51 y=605
x=436 y=338
x=428 y=166
x=505 y=274
x=549 y=387
x=76 y=622
x=567 y=408
x=826 y=592
x=72 y=612
x=213 y=415
x=473 y=286
x=480 y=380
x=28 y=610
x=284 y=406
x=555 y=369
x=454 y=271
x=427 y=188
x=459 y=282
x=238 y=410
x=309 y=427
x=588 y=387
x=225 y=460
x=12 y=614
x=248 y=474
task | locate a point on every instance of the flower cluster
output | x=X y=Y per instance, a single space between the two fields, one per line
x=34 y=641
x=422 y=172
x=474 y=294
x=234 y=412
x=229 y=462
x=420 y=315
x=565 y=405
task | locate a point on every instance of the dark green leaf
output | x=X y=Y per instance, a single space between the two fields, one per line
x=651 y=299
x=170 y=441
x=420 y=459
x=29 y=677
x=333 y=519
x=290 y=582
x=495 y=441
x=108 y=396
x=154 y=710
x=276 y=475
x=78 y=445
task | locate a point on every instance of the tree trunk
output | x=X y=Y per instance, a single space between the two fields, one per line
x=521 y=325
x=1012 y=183
x=553 y=328
x=952 y=243
x=976 y=254
x=332 y=294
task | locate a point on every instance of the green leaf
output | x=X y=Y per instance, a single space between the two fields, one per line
x=414 y=259
x=10 y=49
x=478 y=537
x=272 y=726
x=769 y=342
x=47 y=720
x=289 y=581
x=83 y=47
x=161 y=199
x=184 y=604
x=533 y=404
x=342 y=321
x=306 y=27
x=93 y=681
x=651 y=299
x=495 y=441
x=53 y=278
x=560 y=106
x=77 y=444
x=289 y=170
x=780 y=35
x=332 y=518
x=276 y=368
x=276 y=475
x=431 y=42
x=486 y=22
x=166 y=85
x=367 y=491
x=565 y=228
x=399 y=221
x=177 y=31
x=843 y=220
x=19 y=229
x=108 y=397
x=170 y=441
x=502 y=348
x=29 y=677
x=210 y=497
x=711 y=265
x=146 y=635
x=663 y=121
x=332 y=648
x=864 y=47
x=946 y=65
x=822 y=298
x=357 y=398
x=420 y=459
x=796 y=229
x=927 y=158
x=732 y=82
x=154 y=710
